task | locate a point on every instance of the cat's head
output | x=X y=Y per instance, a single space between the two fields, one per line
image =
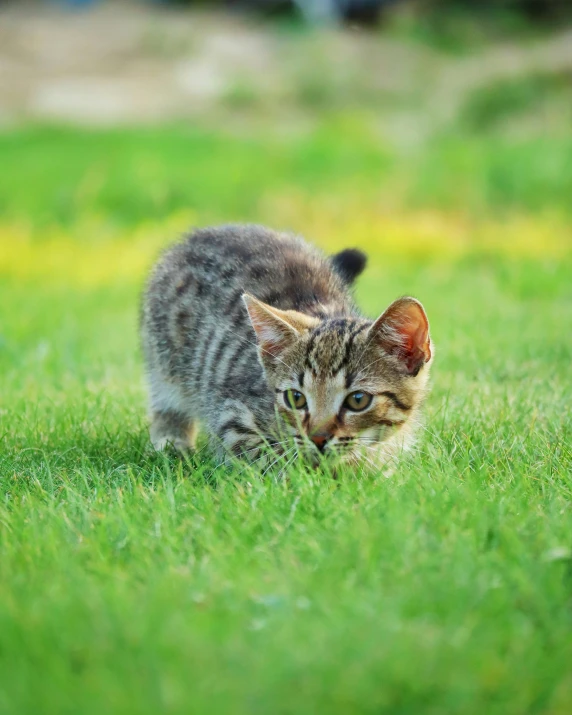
x=346 y=385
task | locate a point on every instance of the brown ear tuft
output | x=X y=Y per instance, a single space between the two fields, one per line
x=403 y=331
x=275 y=329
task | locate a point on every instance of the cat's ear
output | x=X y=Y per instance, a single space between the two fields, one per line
x=276 y=329
x=403 y=332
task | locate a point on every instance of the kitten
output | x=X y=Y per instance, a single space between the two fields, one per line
x=254 y=334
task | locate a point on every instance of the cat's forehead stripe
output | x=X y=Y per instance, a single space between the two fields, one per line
x=349 y=345
x=333 y=339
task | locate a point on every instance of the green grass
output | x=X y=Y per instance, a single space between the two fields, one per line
x=131 y=582
x=53 y=175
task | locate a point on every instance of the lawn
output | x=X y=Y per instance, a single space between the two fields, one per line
x=132 y=582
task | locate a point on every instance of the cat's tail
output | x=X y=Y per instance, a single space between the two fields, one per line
x=349 y=264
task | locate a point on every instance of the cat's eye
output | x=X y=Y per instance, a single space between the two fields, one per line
x=358 y=401
x=294 y=399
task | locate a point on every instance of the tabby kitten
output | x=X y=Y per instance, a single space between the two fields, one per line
x=254 y=334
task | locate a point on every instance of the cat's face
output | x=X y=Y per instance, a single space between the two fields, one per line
x=345 y=386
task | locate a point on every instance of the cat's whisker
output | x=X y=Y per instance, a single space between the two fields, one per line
x=235 y=457
x=264 y=447
x=287 y=465
x=282 y=456
x=291 y=461
x=370 y=461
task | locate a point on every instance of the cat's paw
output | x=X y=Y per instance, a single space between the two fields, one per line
x=163 y=444
x=170 y=431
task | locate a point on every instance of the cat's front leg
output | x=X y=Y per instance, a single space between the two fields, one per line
x=170 y=428
x=235 y=432
x=238 y=435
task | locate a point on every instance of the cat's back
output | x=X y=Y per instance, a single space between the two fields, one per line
x=213 y=267
x=193 y=315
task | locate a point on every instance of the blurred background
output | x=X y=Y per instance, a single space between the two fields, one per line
x=279 y=110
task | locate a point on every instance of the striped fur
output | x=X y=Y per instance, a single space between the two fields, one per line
x=235 y=316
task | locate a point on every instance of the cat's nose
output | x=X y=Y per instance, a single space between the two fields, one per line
x=320 y=440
